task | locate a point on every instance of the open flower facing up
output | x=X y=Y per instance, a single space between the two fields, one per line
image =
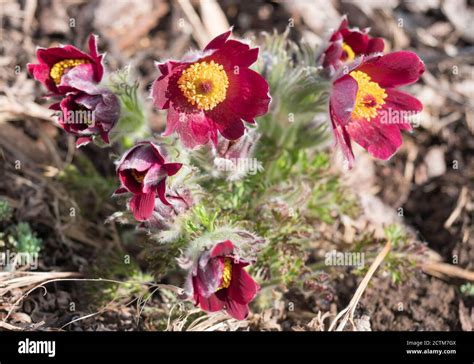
x=219 y=281
x=213 y=92
x=89 y=110
x=366 y=106
x=346 y=44
x=143 y=171
x=55 y=62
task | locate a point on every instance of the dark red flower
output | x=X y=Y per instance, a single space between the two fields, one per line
x=89 y=110
x=346 y=44
x=366 y=106
x=219 y=281
x=143 y=171
x=211 y=93
x=55 y=62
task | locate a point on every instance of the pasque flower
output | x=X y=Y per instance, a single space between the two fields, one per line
x=346 y=44
x=89 y=110
x=366 y=106
x=212 y=92
x=55 y=62
x=219 y=281
x=86 y=109
x=143 y=172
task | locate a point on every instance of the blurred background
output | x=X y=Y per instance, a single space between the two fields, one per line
x=429 y=183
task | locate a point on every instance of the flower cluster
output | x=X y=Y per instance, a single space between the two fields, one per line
x=212 y=99
x=85 y=108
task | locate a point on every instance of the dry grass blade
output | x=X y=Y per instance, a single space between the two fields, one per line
x=439 y=269
x=199 y=33
x=213 y=18
x=216 y=322
x=13 y=280
x=9 y=327
x=348 y=312
x=462 y=201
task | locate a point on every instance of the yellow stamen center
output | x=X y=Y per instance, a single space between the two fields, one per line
x=349 y=52
x=204 y=84
x=226 y=274
x=139 y=177
x=370 y=96
x=58 y=69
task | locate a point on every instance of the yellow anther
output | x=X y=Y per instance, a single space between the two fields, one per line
x=139 y=177
x=226 y=274
x=370 y=96
x=204 y=84
x=349 y=52
x=58 y=69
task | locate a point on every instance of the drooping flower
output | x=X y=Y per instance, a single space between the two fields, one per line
x=88 y=111
x=143 y=172
x=365 y=105
x=346 y=44
x=218 y=281
x=55 y=62
x=213 y=92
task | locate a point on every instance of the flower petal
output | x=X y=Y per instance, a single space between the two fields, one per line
x=402 y=101
x=129 y=182
x=80 y=78
x=119 y=191
x=247 y=97
x=52 y=55
x=153 y=177
x=333 y=54
x=394 y=69
x=233 y=130
x=171 y=168
x=193 y=128
x=208 y=276
x=99 y=69
x=161 y=190
x=218 y=41
x=356 y=39
x=342 y=99
x=222 y=249
x=233 y=55
x=81 y=141
x=380 y=140
x=398 y=107
x=140 y=158
x=242 y=286
x=375 y=45
x=342 y=139
x=236 y=310
x=165 y=86
x=211 y=303
x=142 y=205
x=40 y=72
